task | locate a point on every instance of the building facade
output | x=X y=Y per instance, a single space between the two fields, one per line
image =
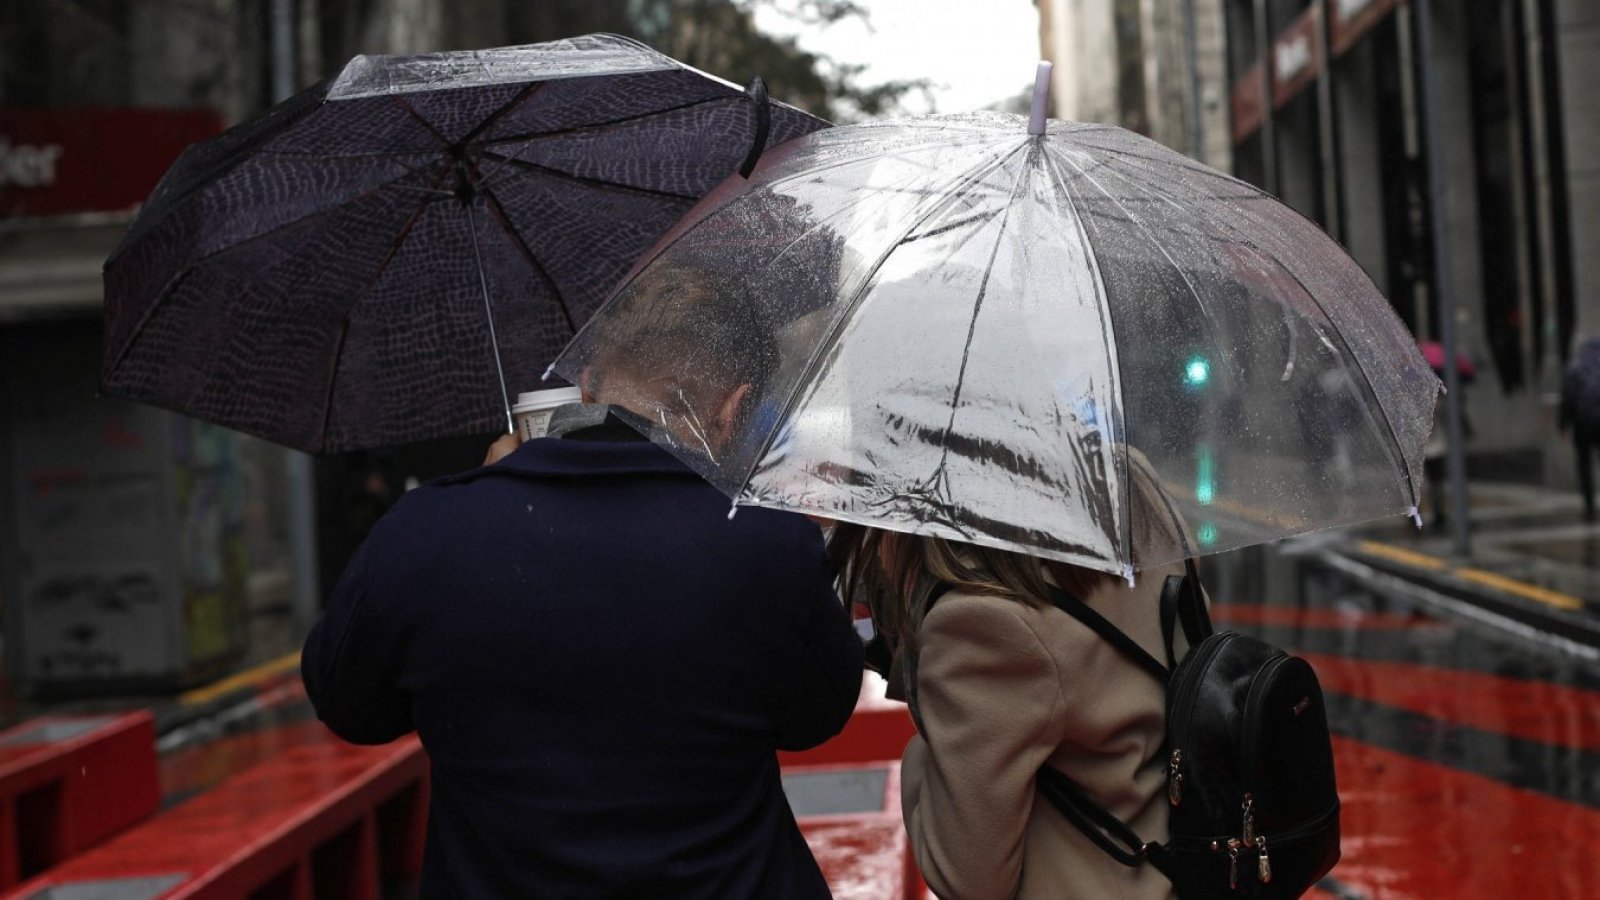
x=1154 y=66
x=137 y=546
x=1320 y=105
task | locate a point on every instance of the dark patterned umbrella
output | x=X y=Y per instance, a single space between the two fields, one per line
x=346 y=270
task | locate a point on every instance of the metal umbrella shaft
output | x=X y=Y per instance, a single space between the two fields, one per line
x=467 y=196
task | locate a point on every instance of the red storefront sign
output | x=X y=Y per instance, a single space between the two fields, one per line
x=55 y=160
x=1296 y=56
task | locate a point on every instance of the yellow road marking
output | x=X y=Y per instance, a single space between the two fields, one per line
x=267 y=670
x=1400 y=555
x=1488 y=579
x=1521 y=588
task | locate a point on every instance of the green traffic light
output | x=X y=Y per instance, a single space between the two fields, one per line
x=1207 y=534
x=1197 y=371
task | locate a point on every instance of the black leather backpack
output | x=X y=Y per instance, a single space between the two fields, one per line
x=1254 y=809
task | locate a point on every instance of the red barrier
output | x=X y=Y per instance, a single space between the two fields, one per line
x=326 y=819
x=846 y=797
x=68 y=783
x=850 y=816
x=879 y=729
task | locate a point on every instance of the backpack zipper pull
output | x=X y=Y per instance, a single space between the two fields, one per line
x=1263 y=864
x=1249 y=829
x=1233 y=863
x=1175 y=778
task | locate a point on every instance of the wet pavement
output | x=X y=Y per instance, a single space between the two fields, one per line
x=1468 y=758
x=1523 y=536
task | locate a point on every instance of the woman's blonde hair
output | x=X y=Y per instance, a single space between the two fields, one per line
x=892 y=573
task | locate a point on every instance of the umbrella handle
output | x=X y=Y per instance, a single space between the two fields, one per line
x=757 y=92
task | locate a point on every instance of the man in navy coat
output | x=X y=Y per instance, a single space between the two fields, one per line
x=601 y=665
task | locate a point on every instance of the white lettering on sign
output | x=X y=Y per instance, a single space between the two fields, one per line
x=28 y=165
x=1291 y=58
x=1349 y=9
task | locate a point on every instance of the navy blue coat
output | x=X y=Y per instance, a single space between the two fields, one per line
x=601 y=666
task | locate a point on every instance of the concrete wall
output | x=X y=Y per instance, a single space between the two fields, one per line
x=1356 y=106
x=1578 y=50
x=1500 y=421
x=1211 y=48
x=1082 y=42
x=199 y=53
x=1080 y=37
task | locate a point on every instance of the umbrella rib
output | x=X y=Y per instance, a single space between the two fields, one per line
x=1338 y=333
x=960 y=183
x=730 y=201
x=489 y=121
x=286 y=226
x=1187 y=284
x=344 y=321
x=977 y=307
x=405 y=104
x=580 y=179
x=611 y=123
x=1111 y=343
x=1175 y=160
x=500 y=216
x=235 y=159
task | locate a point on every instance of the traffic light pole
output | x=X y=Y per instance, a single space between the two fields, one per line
x=1443 y=290
x=298 y=473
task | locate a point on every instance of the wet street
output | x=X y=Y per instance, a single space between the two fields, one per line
x=1466 y=757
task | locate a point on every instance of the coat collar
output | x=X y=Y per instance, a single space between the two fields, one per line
x=557 y=458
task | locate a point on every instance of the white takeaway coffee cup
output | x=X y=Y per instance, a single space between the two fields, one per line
x=533 y=409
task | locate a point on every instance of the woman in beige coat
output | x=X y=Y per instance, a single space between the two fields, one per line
x=1000 y=683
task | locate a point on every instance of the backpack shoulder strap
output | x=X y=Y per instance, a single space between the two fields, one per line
x=1105 y=830
x=1182 y=599
x=1114 y=636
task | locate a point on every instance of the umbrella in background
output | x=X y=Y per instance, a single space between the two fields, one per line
x=989 y=333
x=1433 y=352
x=1580 y=387
x=343 y=271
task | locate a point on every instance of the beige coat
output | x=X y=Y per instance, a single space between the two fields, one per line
x=1002 y=689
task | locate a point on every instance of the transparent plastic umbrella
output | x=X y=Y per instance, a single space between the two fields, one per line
x=971 y=331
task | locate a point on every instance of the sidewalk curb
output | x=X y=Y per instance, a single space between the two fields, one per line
x=1574 y=633
x=226 y=693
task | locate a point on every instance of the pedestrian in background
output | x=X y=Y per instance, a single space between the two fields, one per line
x=1580 y=414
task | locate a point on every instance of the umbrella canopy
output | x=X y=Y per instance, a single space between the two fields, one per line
x=968 y=331
x=319 y=276
x=1580 y=386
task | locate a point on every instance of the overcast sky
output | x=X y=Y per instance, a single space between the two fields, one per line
x=977 y=52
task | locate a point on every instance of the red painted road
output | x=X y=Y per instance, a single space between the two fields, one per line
x=1416 y=830
x=1426 y=814
x=1534 y=710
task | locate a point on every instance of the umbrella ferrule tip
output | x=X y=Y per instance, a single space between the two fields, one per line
x=1127 y=573
x=733 y=510
x=1037 y=118
x=1416 y=517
